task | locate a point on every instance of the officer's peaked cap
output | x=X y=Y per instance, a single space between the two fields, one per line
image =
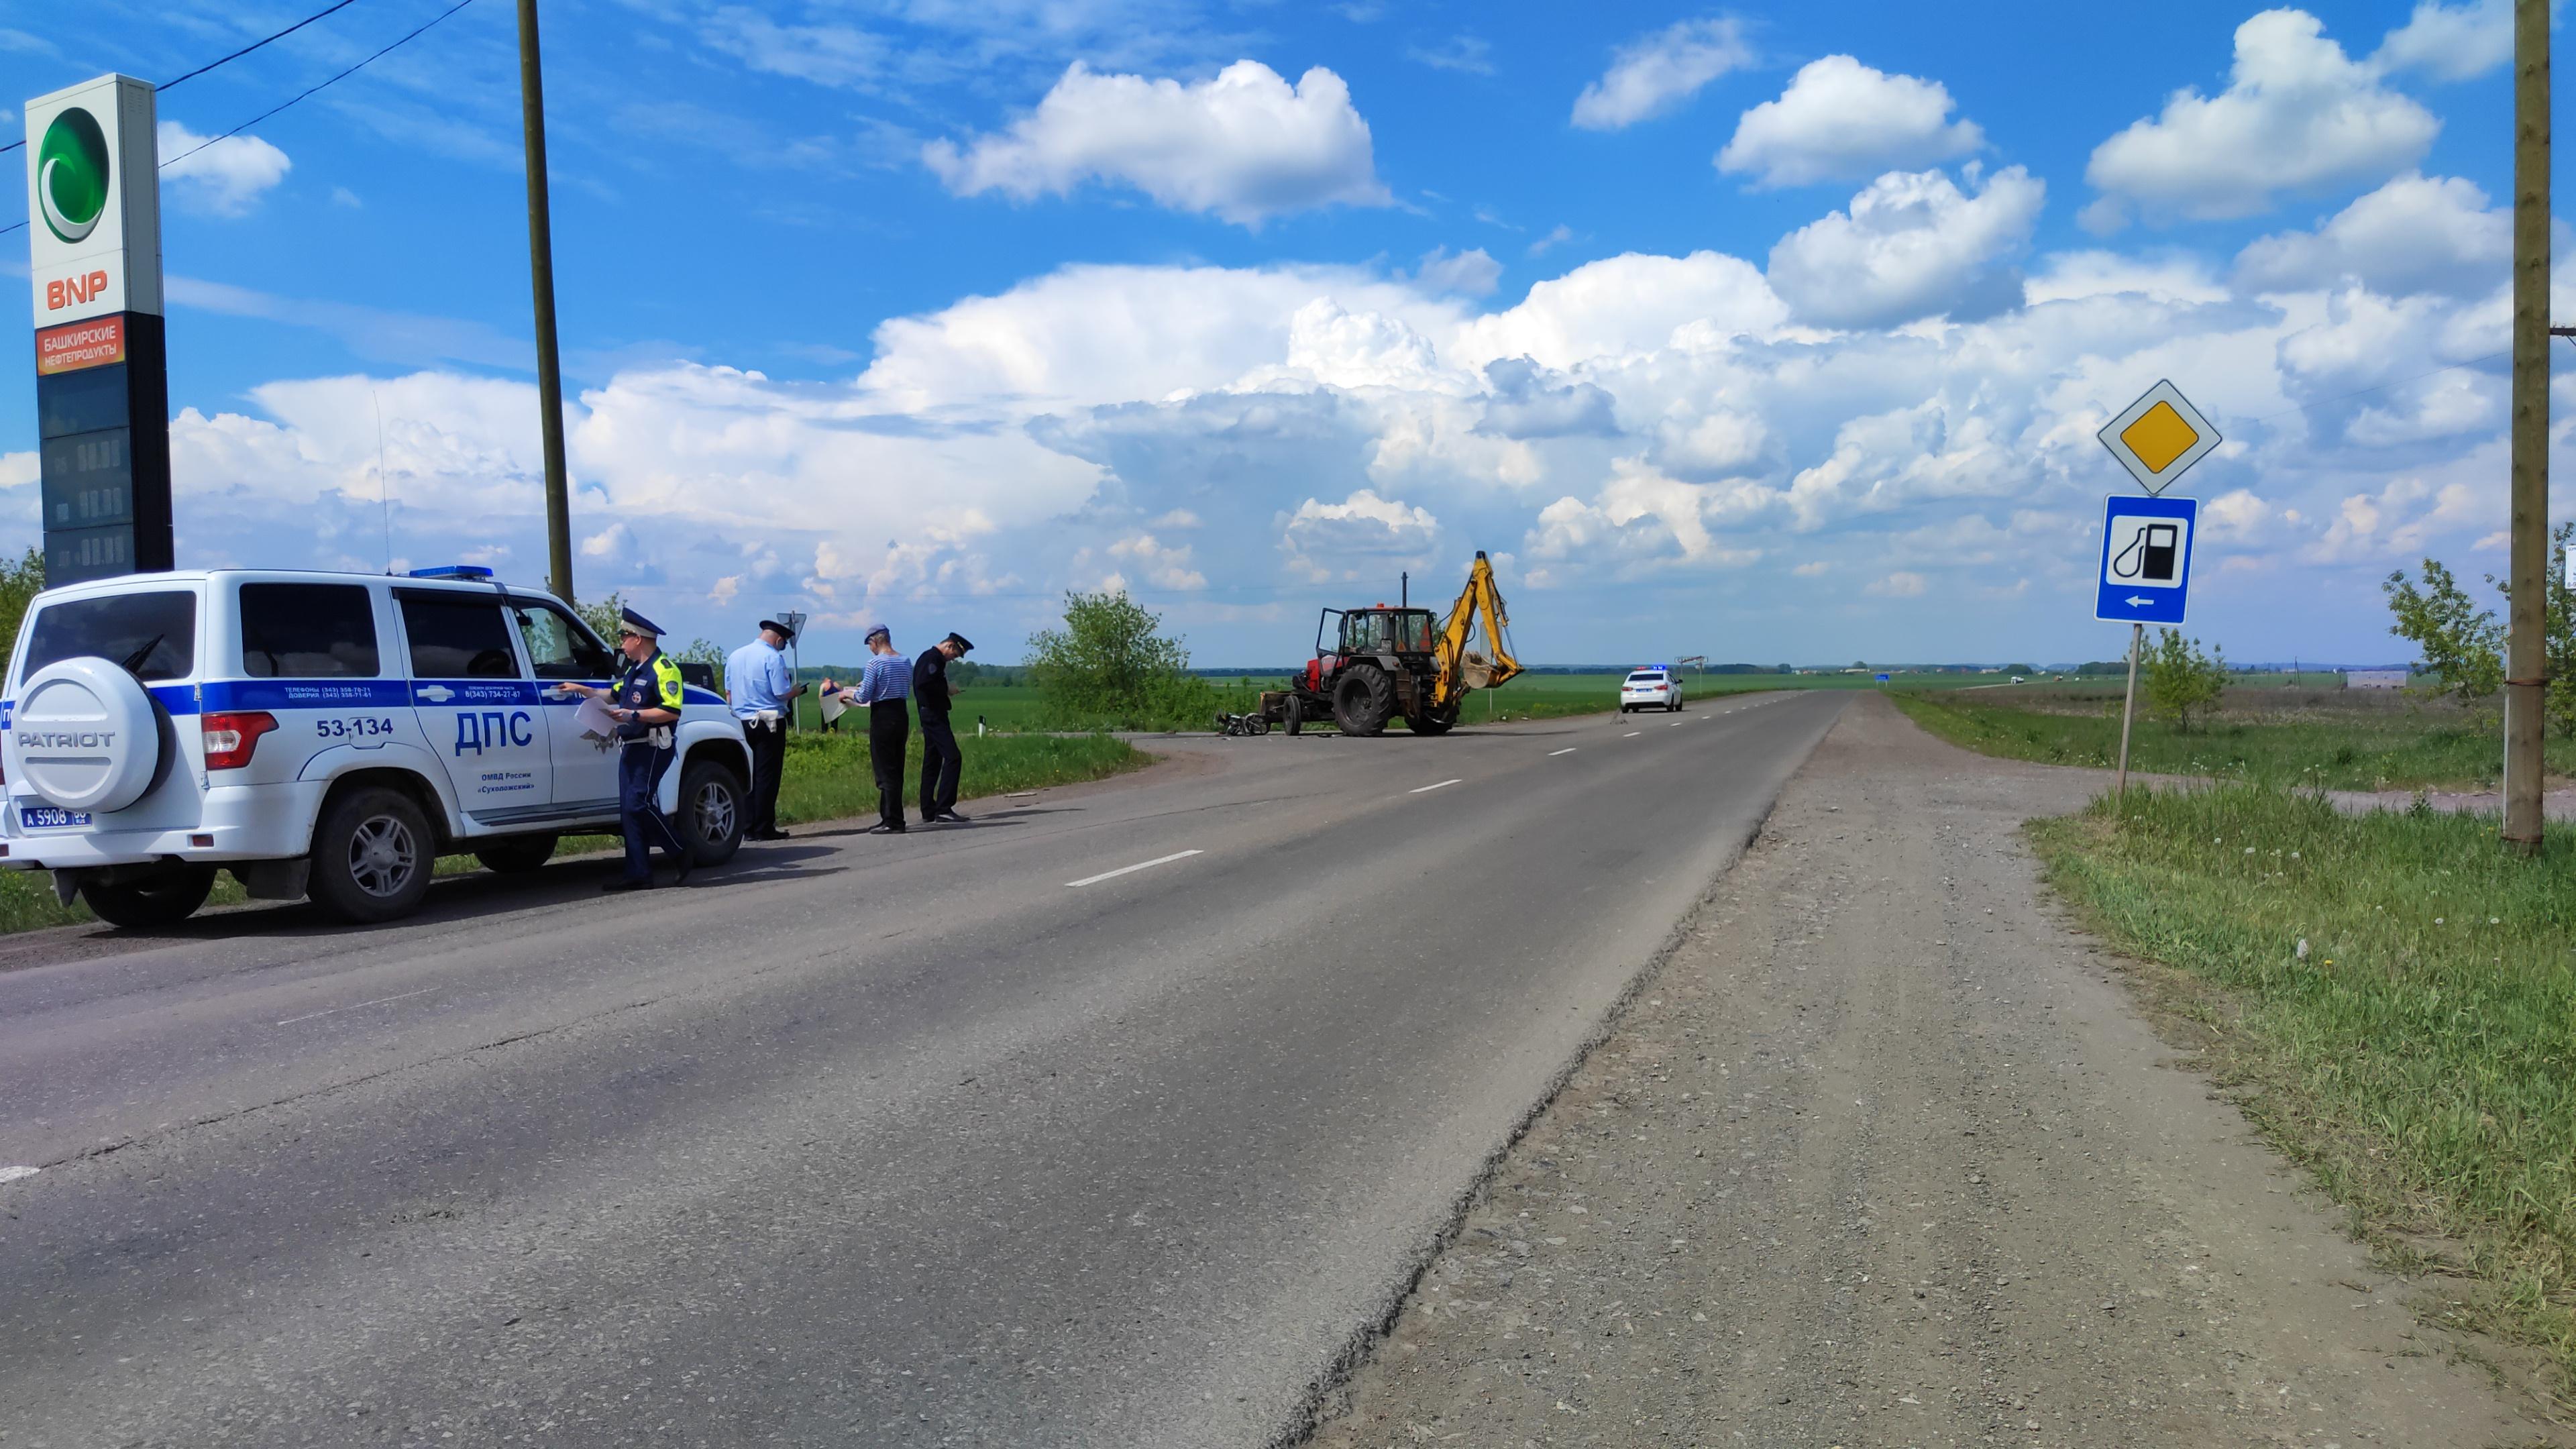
x=636 y=623
x=781 y=630
x=959 y=640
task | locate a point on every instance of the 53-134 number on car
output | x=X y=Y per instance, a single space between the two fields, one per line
x=351 y=729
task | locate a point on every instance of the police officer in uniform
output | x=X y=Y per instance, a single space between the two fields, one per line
x=645 y=699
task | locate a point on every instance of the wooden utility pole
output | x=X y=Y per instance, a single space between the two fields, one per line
x=2526 y=653
x=541 y=268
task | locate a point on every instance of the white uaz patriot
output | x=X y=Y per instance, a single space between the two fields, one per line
x=317 y=734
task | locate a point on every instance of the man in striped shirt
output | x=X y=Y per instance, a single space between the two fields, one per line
x=884 y=684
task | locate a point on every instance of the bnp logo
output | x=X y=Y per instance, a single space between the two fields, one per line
x=71 y=175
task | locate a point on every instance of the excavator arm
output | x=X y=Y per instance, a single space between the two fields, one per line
x=1460 y=669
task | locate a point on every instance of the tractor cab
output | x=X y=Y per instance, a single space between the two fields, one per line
x=1376 y=631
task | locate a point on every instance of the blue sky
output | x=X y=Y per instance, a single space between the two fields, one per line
x=1760 y=336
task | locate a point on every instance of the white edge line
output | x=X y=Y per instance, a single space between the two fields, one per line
x=379 y=1001
x=1552 y=754
x=1428 y=788
x=1124 y=869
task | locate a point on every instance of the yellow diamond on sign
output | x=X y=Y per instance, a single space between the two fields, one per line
x=2159 y=437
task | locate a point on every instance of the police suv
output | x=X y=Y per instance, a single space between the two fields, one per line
x=317 y=734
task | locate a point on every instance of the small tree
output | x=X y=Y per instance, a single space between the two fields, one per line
x=1108 y=665
x=2458 y=643
x=2557 y=633
x=701 y=651
x=19 y=582
x=606 y=617
x=2181 y=679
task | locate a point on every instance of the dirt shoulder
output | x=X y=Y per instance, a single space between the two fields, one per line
x=1887 y=1156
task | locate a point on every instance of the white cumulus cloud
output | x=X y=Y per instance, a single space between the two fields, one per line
x=1912 y=245
x=1356 y=537
x=225 y=178
x=1244 y=146
x=2298 y=115
x=1840 y=120
x=2416 y=233
x=2451 y=42
x=1657 y=72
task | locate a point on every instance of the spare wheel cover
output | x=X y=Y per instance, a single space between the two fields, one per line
x=84 y=736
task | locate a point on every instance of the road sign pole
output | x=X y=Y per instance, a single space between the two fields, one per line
x=2128 y=712
x=2527 y=553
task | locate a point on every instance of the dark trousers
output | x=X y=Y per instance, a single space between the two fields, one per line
x=768 y=762
x=889 y=729
x=940 y=763
x=639 y=777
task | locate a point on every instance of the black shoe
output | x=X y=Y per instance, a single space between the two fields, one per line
x=881 y=828
x=766 y=835
x=687 y=860
x=952 y=817
x=613 y=887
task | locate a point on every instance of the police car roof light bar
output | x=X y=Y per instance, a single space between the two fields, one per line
x=453 y=571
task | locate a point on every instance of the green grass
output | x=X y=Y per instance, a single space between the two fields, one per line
x=2421 y=1059
x=2336 y=740
x=827 y=778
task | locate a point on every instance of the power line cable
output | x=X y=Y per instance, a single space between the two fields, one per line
x=300 y=95
x=236 y=55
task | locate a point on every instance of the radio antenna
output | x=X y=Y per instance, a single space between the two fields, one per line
x=384 y=494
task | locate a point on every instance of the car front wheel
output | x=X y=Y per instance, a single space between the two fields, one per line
x=710 y=811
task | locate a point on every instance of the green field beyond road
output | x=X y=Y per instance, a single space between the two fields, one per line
x=2420 y=1055
x=2335 y=739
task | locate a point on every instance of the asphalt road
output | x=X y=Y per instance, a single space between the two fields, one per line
x=1118 y=1119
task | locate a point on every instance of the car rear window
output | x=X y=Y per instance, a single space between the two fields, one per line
x=307 y=631
x=1644 y=678
x=153 y=633
x=458 y=638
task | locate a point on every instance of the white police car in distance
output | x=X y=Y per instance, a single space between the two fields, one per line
x=1650 y=686
x=317 y=734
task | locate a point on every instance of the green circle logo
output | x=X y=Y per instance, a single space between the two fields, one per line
x=71 y=175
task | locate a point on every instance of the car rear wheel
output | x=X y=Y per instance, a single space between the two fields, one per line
x=164 y=900
x=517 y=855
x=372 y=857
x=710 y=811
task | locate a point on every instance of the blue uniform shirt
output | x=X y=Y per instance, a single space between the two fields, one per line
x=756 y=679
x=887 y=676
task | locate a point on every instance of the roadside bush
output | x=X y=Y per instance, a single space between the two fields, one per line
x=1108 y=668
x=2181 y=679
x=2460 y=644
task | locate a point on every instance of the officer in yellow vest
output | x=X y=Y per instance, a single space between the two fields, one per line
x=645 y=699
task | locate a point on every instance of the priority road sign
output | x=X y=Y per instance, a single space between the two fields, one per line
x=2158 y=437
x=2146 y=559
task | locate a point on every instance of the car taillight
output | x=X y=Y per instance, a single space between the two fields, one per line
x=231 y=736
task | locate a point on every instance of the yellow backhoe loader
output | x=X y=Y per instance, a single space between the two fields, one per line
x=1383 y=663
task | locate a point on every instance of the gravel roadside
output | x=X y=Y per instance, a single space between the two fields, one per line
x=1886 y=1156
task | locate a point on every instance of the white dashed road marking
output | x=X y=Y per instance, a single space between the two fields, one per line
x=1140 y=865
x=379 y=1001
x=1632 y=734
x=12 y=1174
x=1428 y=788
x=1552 y=754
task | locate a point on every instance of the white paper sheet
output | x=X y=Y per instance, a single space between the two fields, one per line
x=595 y=719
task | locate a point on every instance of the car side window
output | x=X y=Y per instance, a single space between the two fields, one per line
x=557 y=647
x=307 y=631
x=458 y=638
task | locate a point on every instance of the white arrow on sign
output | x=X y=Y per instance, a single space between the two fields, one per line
x=2134 y=602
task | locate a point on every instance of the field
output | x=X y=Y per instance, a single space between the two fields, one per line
x=2394 y=996
x=2340 y=739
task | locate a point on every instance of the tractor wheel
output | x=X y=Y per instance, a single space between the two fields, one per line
x=1434 y=721
x=1363 y=699
x=1294 y=713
